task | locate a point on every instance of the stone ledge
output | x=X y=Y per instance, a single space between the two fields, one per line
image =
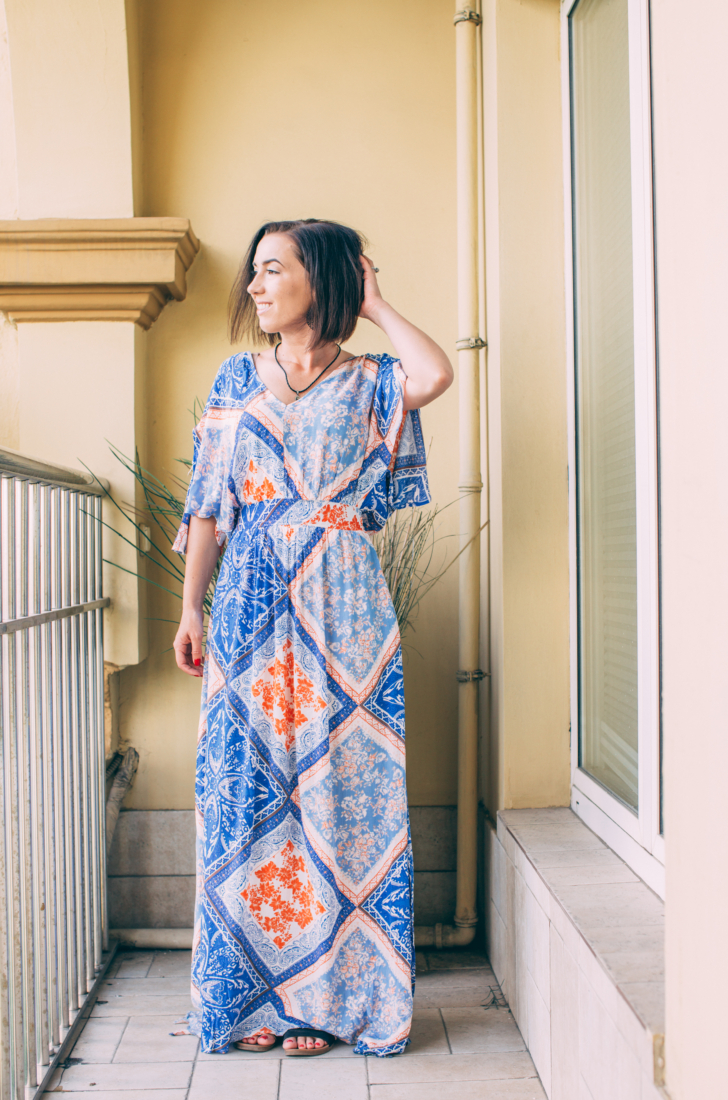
x=576 y=942
x=123 y=269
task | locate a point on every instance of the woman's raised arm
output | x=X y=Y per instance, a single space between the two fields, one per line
x=201 y=558
x=429 y=371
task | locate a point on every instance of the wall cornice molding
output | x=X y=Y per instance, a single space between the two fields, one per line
x=121 y=269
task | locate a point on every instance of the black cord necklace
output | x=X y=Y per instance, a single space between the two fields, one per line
x=308 y=387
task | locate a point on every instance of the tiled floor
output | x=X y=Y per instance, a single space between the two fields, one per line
x=460 y=1050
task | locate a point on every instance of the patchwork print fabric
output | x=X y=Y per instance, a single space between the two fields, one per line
x=304 y=887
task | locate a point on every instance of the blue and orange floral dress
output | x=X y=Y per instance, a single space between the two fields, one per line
x=304 y=885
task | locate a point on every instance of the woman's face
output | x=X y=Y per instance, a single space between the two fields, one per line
x=280 y=289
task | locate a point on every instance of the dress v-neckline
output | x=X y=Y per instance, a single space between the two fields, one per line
x=297 y=400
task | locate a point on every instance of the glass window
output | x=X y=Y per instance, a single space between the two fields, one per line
x=605 y=395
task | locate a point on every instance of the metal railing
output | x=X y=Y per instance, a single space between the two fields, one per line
x=52 y=851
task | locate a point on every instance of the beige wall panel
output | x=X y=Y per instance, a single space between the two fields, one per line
x=255 y=112
x=78 y=390
x=691 y=177
x=71 y=99
x=9 y=385
x=527 y=401
x=9 y=379
x=8 y=166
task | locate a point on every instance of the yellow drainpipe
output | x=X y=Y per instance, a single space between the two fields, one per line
x=462 y=931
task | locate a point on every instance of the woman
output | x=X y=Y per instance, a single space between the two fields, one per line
x=303 y=924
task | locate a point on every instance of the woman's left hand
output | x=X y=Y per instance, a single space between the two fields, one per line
x=373 y=300
x=429 y=371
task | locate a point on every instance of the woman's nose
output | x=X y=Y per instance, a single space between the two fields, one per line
x=252 y=285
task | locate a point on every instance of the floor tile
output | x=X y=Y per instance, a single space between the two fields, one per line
x=452 y=988
x=115 y=1077
x=427 y=1035
x=461 y=1090
x=460 y=1067
x=127 y=1094
x=168 y=964
x=99 y=1039
x=235 y=1079
x=148 y=1039
x=149 y=987
x=456 y=960
x=133 y=964
x=319 y=1079
x=117 y=1004
x=480 y=1030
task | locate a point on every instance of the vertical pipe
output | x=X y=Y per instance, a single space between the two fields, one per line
x=470 y=484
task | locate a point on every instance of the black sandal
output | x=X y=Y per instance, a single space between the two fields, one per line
x=309 y=1033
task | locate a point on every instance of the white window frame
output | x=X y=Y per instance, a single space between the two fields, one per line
x=634 y=836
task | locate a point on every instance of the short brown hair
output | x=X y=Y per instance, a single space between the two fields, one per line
x=330 y=255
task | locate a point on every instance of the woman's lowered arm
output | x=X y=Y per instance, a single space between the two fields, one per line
x=200 y=561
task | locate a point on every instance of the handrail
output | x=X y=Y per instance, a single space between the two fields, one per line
x=15 y=464
x=24 y=622
x=53 y=925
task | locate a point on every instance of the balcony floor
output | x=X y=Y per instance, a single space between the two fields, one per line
x=464 y=1046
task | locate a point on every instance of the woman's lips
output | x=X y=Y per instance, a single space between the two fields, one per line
x=261 y=307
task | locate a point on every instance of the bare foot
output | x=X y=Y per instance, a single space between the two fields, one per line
x=265 y=1041
x=303 y=1042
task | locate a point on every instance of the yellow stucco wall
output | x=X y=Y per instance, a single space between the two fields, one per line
x=529 y=761
x=255 y=112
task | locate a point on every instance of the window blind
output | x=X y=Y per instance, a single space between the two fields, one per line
x=605 y=395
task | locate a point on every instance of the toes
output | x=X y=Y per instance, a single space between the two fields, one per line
x=319 y=1043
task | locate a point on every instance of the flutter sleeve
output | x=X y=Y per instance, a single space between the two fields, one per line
x=397 y=463
x=209 y=493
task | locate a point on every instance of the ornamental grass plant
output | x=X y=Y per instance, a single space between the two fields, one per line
x=406 y=545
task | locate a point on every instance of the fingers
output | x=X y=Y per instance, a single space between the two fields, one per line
x=368 y=265
x=188 y=653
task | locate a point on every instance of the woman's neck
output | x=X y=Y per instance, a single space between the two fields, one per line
x=294 y=349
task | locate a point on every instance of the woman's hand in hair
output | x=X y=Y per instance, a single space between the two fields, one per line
x=373 y=300
x=428 y=369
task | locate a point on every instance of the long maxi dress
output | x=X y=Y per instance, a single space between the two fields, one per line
x=304 y=869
